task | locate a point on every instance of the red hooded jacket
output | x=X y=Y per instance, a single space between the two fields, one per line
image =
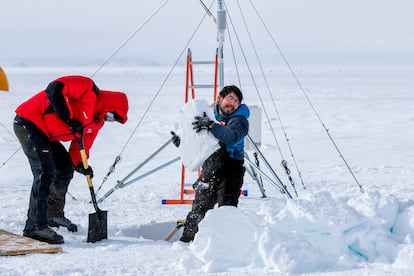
x=73 y=97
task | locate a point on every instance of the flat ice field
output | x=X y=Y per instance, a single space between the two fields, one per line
x=331 y=228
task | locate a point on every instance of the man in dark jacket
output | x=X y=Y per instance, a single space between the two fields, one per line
x=222 y=173
x=69 y=107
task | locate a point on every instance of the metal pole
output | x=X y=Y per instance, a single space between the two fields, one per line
x=121 y=184
x=221 y=29
x=150 y=172
x=253 y=174
x=267 y=164
x=146 y=161
x=268 y=178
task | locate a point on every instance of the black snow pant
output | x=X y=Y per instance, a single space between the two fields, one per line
x=52 y=171
x=220 y=182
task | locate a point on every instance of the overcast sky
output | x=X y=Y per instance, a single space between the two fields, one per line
x=84 y=31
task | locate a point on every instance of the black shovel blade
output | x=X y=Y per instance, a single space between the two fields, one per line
x=98 y=227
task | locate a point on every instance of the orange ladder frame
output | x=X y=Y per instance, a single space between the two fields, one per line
x=189 y=84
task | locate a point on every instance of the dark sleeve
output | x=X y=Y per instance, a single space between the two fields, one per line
x=54 y=93
x=231 y=133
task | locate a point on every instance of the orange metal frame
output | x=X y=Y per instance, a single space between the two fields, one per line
x=189 y=82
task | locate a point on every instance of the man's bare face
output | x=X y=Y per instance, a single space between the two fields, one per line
x=228 y=104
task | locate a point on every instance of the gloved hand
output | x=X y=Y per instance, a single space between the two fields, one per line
x=80 y=169
x=203 y=122
x=175 y=139
x=75 y=126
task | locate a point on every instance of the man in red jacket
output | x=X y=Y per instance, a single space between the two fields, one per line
x=69 y=107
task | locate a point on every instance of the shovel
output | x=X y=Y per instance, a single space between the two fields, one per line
x=97 y=229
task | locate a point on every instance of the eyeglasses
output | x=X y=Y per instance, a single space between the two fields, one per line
x=233 y=100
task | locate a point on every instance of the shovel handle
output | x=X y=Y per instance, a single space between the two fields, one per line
x=85 y=166
x=180 y=223
x=88 y=177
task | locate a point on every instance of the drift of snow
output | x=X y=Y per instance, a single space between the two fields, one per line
x=330 y=229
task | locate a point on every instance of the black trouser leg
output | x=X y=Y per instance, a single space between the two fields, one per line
x=36 y=146
x=64 y=173
x=205 y=193
x=229 y=189
x=205 y=198
x=56 y=199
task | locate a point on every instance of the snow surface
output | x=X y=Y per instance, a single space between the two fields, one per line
x=330 y=229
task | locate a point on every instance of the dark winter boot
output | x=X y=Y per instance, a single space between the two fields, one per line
x=187 y=237
x=62 y=221
x=190 y=227
x=46 y=235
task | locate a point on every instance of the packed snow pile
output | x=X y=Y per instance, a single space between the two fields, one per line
x=319 y=233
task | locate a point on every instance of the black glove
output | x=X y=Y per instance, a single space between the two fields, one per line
x=175 y=139
x=80 y=169
x=75 y=126
x=202 y=122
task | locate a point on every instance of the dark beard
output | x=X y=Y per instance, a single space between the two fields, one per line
x=222 y=111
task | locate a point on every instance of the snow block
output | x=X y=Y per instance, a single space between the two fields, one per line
x=195 y=148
